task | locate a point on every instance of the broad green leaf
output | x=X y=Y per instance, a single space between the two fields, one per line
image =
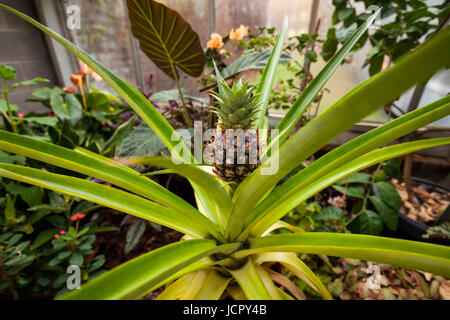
x=106 y=93
x=355 y=191
x=168 y=95
x=97 y=101
x=4 y=107
x=166 y=38
x=268 y=76
x=118 y=136
x=45 y=121
x=130 y=95
x=43 y=237
x=298 y=108
x=345 y=13
x=330 y=214
x=76 y=259
x=143 y=272
x=7 y=72
x=29 y=82
x=44 y=94
x=106 y=196
x=70 y=109
x=387 y=213
x=268 y=216
x=368 y=222
x=403 y=253
x=389 y=195
x=31 y=195
x=141 y=142
x=11 y=158
x=368 y=96
x=252 y=61
x=358 y=177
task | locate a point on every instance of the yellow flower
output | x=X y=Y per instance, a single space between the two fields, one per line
x=216 y=42
x=239 y=33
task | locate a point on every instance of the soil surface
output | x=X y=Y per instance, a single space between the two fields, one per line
x=112 y=243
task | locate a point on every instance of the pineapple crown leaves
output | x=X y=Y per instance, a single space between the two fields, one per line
x=237 y=104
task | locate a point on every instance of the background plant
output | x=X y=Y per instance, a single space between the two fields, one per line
x=30 y=266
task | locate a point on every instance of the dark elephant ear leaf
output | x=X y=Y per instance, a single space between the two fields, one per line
x=166 y=38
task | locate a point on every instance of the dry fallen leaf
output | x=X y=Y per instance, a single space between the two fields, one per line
x=444 y=290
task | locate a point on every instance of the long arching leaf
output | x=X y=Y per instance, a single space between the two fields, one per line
x=298 y=108
x=403 y=253
x=106 y=196
x=351 y=150
x=132 y=279
x=93 y=165
x=166 y=38
x=268 y=76
x=264 y=220
x=250 y=281
x=352 y=107
x=298 y=267
x=209 y=183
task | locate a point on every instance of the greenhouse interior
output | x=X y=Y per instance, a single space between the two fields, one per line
x=224 y=150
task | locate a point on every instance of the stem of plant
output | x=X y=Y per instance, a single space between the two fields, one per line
x=8 y=106
x=366 y=196
x=185 y=112
x=83 y=96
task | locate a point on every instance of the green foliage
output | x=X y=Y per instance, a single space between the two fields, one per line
x=37 y=265
x=166 y=38
x=251 y=61
x=225 y=232
x=403 y=26
x=386 y=203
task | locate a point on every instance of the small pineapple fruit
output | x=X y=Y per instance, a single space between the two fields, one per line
x=235 y=143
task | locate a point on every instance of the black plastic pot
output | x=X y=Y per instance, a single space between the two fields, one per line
x=414 y=230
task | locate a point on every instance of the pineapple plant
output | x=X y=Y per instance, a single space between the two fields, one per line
x=234 y=149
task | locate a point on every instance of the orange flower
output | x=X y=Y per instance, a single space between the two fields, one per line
x=70 y=89
x=78 y=79
x=239 y=33
x=216 y=42
x=87 y=70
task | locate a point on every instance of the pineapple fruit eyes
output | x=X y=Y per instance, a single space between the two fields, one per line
x=235 y=146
